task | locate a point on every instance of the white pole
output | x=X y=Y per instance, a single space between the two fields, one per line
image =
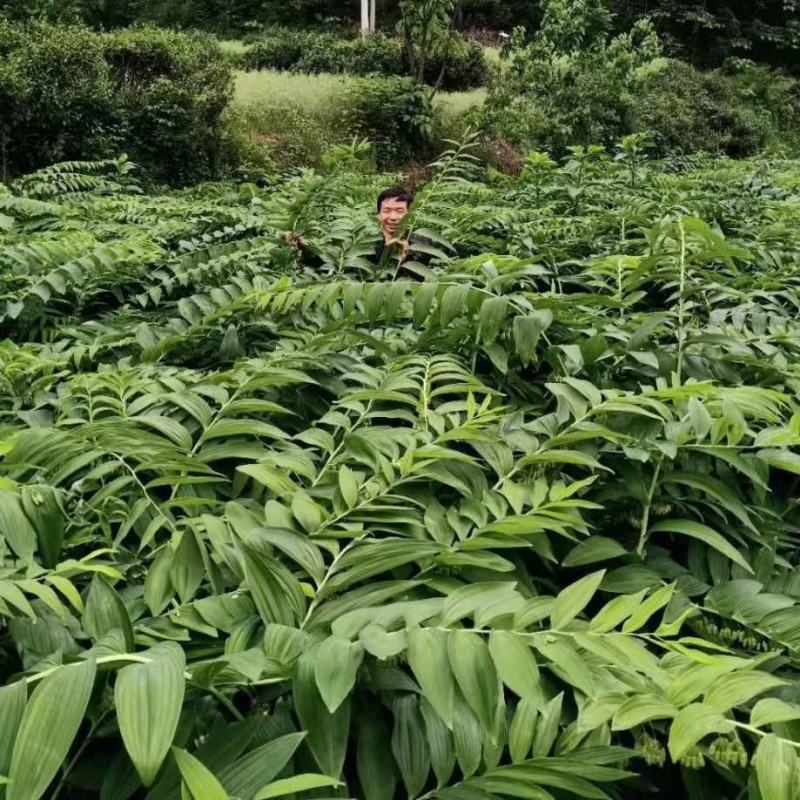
x=364 y=17
x=372 y=15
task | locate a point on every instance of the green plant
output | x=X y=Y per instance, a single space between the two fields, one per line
x=57 y=96
x=171 y=92
x=572 y=82
x=70 y=93
x=526 y=528
x=689 y=110
x=395 y=114
x=456 y=66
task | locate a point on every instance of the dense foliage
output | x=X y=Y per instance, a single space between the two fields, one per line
x=68 y=92
x=705 y=32
x=527 y=528
x=461 y=66
x=576 y=81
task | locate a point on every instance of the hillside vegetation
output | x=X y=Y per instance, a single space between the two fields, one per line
x=525 y=529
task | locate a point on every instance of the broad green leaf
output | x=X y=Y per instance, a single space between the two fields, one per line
x=306 y=511
x=641 y=708
x=692 y=724
x=777 y=769
x=648 y=607
x=527 y=330
x=515 y=663
x=187 y=569
x=105 y=612
x=429 y=661
x=475 y=675
x=374 y=763
x=738 y=688
x=492 y=316
x=149 y=698
x=327 y=733
x=522 y=729
x=410 y=743
x=276 y=592
x=298 y=783
x=452 y=303
x=197 y=778
x=440 y=743
x=245 y=776
x=15 y=527
x=547 y=727
x=49 y=724
x=337 y=662
x=615 y=611
x=297 y=546
x=467 y=736
x=377 y=642
x=770 y=710
x=41 y=506
x=467 y=600
x=158 y=589
x=572 y=600
x=13 y=699
x=348 y=486
x=11 y=593
x=592 y=550
x=704 y=534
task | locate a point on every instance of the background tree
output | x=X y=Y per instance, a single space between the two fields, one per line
x=426 y=27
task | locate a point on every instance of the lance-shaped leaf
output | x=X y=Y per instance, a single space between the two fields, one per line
x=703 y=533
x=475 y=674
x=299 y=783
x=692 y=724
x=197 y=778
x=376 y=768
x=327 y=733
x=515 y=663
x=428 y=659
x=49 y=724
x=12 y=706
x=337 y=662
x=105 y=612
x=572 y=600
x=777 y=767
x=149 y=698
x=410 y=743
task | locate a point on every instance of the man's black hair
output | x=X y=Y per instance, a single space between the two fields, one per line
x=396 y=193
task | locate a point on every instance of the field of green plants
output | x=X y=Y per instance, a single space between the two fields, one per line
x=527 y=528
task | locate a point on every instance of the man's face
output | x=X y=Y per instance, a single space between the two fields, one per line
x=391 y=214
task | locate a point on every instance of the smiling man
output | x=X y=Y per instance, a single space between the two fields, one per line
x=393 y=207
x=393 y=254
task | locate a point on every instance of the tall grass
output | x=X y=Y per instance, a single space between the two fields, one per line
x=314 y=92
x=298 y=117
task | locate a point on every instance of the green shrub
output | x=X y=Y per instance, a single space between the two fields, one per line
x=463 y=67
x=294 y=118
x=776 y=93
x=279 y=49
x=375 y=54
x=690 y=110
x=70 y=93
x=292 y=136
x=172 y=90
x=572 y=83
x=395 y=114
x=56 y=96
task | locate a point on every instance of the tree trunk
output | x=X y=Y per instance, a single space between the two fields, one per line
x=372 y=15
x=364 y=17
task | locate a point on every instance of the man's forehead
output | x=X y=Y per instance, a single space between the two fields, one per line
x=394 y=202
